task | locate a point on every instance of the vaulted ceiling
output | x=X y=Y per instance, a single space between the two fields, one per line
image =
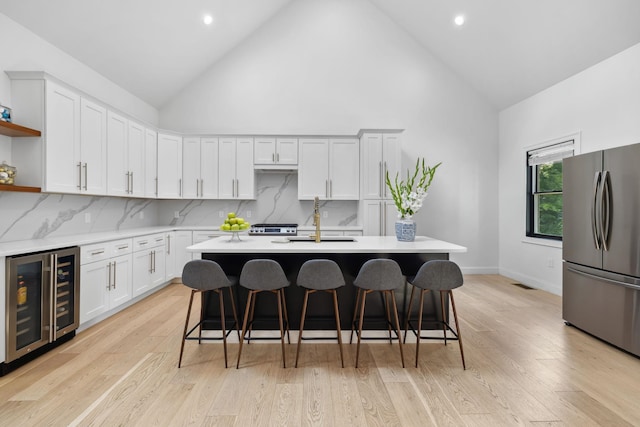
x=507 y=50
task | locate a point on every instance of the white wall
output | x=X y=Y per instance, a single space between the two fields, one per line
x=335 y=66
x=603 y=104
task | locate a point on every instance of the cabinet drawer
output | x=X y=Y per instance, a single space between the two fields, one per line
x=148 y=241
x=201 y=236
x=104 y=250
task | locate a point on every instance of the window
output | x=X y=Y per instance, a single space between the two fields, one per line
x=544 y=189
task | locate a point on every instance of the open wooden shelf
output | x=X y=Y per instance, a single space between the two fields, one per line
x=21 y=188
x=12 y=129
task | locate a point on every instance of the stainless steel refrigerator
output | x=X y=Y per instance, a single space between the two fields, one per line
x=601 y=245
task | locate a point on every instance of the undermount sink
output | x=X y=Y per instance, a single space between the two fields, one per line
x=322 y=239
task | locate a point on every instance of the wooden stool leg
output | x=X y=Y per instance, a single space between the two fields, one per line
x=244 y=326
x=202 y=308
x=252 y=310
x=455 y=316
x=337 y=313
x=408 y=313
x=422 y=291
x=186 y=326
x=222 y=324
x=444 y=319
x=286 y=315
x=280 y=321
x=302 y=317
x=385 y=297
x=355 y=313
x=364 y=299
x=395 y=313
x=235 y=312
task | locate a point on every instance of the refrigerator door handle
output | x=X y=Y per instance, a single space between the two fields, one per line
x=594 y=211
x=604 y=279
x=54 y=297
x=605 y=205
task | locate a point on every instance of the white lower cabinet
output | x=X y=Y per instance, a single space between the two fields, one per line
x=105 y=272
x=170 y=255
x=148 y=262
x=183 y=239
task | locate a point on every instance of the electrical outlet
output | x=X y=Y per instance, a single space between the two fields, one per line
x=176 y=214
x=87 y=217
x=221 y=214
x=141 y=214
x=248 y=214
x=325 y=214
x=550 y=262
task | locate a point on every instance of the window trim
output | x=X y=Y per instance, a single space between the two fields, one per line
x=529 y=225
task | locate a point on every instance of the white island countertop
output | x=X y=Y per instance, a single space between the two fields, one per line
x=361 y=244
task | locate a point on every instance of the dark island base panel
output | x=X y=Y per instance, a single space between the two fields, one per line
x=320 y=308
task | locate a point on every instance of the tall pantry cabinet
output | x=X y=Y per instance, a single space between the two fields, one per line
x=380 y=153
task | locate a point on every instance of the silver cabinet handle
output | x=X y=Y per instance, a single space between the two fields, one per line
x=131 y=182
x=168 y=244
x=180 y=186
x=331 y=188
x=109 y=278
x=154 y=261
x=85 y=176
x=237 y=188
x=79 y=176
x=150 y=262
x=381 y=225
x=326 y=188
x=273 y=157
x=380 y=181
x=97 y=252
x=156 y=186
x=115 y=271
x=384 y=180
x=277 y=157
x=384 y=212
x=127 y=190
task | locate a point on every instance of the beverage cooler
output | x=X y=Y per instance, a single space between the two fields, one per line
x=41 y=303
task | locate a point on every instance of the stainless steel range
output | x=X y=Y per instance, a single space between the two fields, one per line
x=274 y=229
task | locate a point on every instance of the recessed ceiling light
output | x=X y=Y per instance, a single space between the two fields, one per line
x=459 y=20
x=207 y=19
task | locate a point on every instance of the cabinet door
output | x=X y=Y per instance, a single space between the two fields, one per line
x=265 y=151
x=136 y=143
x=245 y=176
x=169 y=166
x=182 y=241
x=117 y=153
x=158 y=272
x=344 y=169
x=93 y=147
x=150 y=163
x=142 y=268
x=121 y=287
x=390 y=217
x=191 y=168
x=391 y=160
x=372 y=217
x=227 y=168
x=170 y=255
x=209 y=168
x=94 y=282
x=313 y=168
x=287 y=151
x=62 y=159
x=372 y=166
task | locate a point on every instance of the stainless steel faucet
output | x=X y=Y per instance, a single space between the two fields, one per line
x=316 y=218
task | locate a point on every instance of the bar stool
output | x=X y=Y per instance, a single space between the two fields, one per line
x=320 y=275
x=260 y=275
x=378 y=275
x=442 y=276
x=204 y=276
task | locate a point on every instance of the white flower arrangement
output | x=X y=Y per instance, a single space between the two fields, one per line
x=408 y=195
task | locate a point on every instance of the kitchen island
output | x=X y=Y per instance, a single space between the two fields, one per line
x=232 y=254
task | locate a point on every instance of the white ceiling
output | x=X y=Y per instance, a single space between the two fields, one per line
x=508 y=50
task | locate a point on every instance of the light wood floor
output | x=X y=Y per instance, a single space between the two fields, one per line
x=524 y=367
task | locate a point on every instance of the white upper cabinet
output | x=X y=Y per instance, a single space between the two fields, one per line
x=276 y=152
x=200 y=168
x=380 y=153
x=136 y=144
x=93 y=147
x=125 y=156
x=150 y=163
x=169 y=166
x=236 y=179
x=329 y=168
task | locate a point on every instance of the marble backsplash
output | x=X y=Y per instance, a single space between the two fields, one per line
x=35 y=216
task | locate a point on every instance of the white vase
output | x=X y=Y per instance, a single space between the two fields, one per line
x=405 y=230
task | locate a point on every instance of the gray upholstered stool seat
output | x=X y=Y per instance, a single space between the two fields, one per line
x=264 y=275
x=204 y=276
x=442 y=276
x=320 y=275
x=378 y=275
